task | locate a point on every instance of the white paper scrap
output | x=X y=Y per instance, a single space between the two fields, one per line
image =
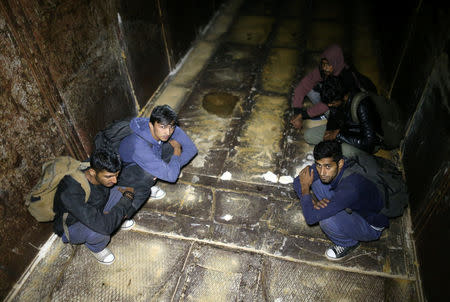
x=285 y=179
x=226 y=176
x=269 y=176
x=227 y=217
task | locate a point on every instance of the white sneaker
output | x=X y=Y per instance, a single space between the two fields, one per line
x=127 y=224
x=157 y=193
x=104 y=257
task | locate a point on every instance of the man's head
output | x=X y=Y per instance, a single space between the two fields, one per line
x=325 y=68
x=329 y=160
x=105 y=167
x=163 y=121
x=333 y=92
x=332 y=61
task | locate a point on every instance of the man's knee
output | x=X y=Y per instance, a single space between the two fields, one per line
x=96 y=238
x=332 y=223
x=312 y=136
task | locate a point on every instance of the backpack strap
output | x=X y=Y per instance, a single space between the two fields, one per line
x=355 y=103
x=79 y=177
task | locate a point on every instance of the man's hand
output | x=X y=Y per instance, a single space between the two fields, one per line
x=320 y=204
x=297 y=121
x=124 y=189
x=306 y=177
x=330 y=135
x=127 y=192
x=176 y=147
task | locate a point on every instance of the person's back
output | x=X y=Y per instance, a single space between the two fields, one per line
x=364 y=134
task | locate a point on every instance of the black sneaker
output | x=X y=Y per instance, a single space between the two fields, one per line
x=337 y=252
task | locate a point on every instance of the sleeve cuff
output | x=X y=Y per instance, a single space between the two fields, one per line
x=302 y=111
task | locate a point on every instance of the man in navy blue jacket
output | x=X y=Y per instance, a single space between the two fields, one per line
x=157 y=149
x=346 y=208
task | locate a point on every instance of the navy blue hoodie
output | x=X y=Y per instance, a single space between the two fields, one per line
x=354 y=192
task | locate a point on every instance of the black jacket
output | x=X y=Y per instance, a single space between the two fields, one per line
x=70 y=196
x=366 y=134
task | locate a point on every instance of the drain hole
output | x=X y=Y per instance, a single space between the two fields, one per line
x=220 y=103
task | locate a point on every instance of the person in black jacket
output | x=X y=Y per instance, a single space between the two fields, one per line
x=92 y=222
x=364 y=136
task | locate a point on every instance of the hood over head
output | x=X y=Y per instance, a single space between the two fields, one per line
x=140 y=126
x=335 y=57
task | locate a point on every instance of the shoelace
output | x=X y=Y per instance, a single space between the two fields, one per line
x=339 y=249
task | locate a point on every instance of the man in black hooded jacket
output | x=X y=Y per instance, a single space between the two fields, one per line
x=361 y=136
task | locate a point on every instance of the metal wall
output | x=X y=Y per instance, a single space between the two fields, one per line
x=419 y=71
x=68 y=68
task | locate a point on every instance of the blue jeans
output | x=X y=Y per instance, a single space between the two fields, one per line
x=79 y=233
x=346 y=229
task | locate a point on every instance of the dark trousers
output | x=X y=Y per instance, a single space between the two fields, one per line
x=346 y=229
x=134 y=176
x=80 y=233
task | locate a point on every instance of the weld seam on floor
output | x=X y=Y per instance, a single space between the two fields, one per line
x=285 y=258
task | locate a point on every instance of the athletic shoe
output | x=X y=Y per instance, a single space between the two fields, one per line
x=157 y=193
x=127 y=224
x=337 y=252
x=104 y=257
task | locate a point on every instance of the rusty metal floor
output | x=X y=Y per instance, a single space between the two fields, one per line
x=225 y=232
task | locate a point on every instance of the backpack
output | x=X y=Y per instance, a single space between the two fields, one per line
x=112 y=135
x=392 y=120
x=40 y=200
x=363 y=82
x=386 y=177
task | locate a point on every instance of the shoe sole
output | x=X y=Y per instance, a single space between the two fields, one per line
x=343 y=257
x=129 y=227
x=106 y=263
x=157 y=198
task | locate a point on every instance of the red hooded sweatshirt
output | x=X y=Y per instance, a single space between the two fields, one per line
x=335 y=57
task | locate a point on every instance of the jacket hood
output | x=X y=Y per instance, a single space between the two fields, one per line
x=335 y=57
x=140 y=126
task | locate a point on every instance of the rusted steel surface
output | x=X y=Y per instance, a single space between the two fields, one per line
x=61 y=79
x=30 y=134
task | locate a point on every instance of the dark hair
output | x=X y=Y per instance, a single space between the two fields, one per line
x=164 y=115
x=332 y=90
x=105 y=159
x=328 y=149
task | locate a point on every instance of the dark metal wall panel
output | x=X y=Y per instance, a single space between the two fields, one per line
x=145 y=47
x=79 y=43
x=185 y=19
x=427 y=166
x=416 y=52
x=156 y=35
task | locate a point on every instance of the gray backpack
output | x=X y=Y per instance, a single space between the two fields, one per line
x=386 y=177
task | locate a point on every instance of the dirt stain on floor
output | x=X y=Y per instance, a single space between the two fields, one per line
x=220 y=103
